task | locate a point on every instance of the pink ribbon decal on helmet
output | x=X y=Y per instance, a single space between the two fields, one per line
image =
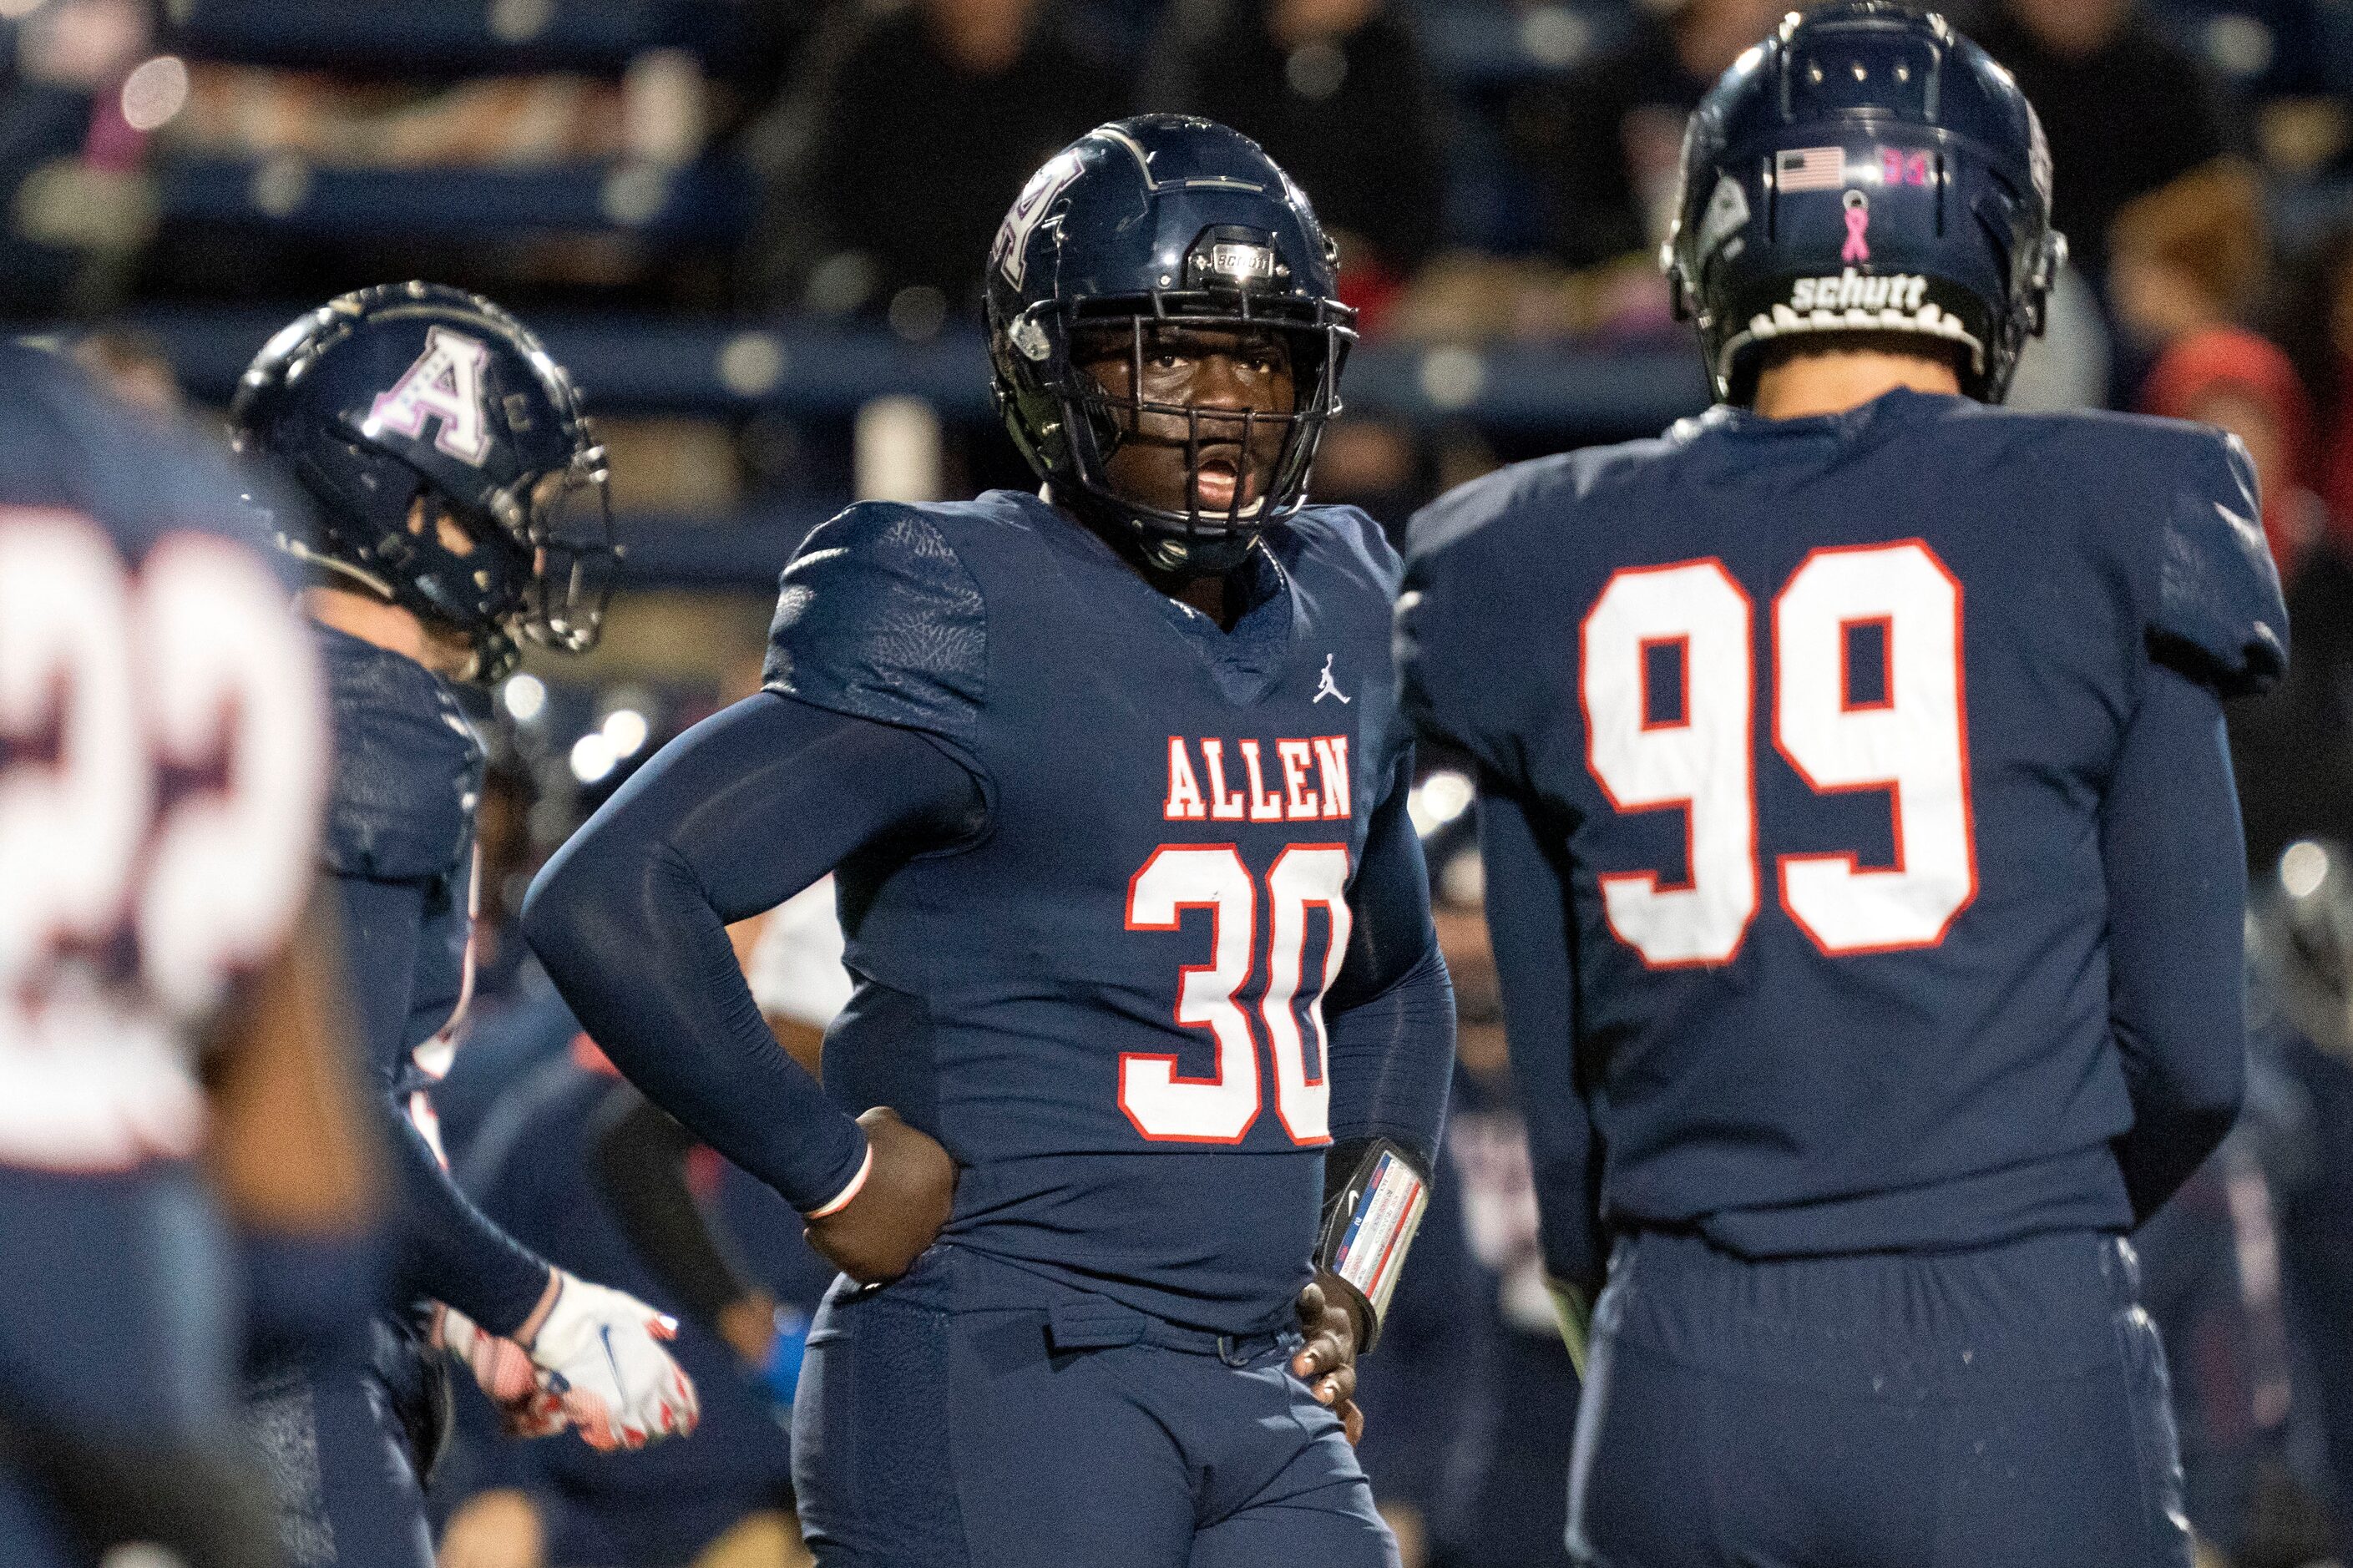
x=1858 y=224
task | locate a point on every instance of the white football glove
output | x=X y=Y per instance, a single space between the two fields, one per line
x=602 y=1351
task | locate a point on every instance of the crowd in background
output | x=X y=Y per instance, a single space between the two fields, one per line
x=1496 y=171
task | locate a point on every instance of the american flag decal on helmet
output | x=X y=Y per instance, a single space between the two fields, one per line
x=1809 y=168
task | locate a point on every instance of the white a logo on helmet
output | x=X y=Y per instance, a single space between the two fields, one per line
x=446 y=383
x=1011 y=251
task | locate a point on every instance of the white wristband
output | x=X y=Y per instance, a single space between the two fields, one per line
x=840 y=1200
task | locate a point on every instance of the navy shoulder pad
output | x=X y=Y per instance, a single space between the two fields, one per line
x=1345 y=536
x=877 y=617
x=1468 y=509
x=408 y=766
x=2217 y=617
x=1466 y=561
x=65 y=441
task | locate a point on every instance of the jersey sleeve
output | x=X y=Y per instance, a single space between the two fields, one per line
x=878 y=618
x=2175 y=863
x=2215 y=612
x=1532 y=929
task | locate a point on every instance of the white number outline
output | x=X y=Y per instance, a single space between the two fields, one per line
x=1852 y=861
x=1646 y=884
x=1146 y=1077
x=1153 y=1095
x=1621 y=890
x=1303 y=1103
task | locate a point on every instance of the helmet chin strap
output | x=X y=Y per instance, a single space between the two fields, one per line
x=1157 y=551
x=1202 y=558
x=494 y=653
x=361 y=575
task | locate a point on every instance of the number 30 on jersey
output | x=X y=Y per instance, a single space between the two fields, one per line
x=1908 y=738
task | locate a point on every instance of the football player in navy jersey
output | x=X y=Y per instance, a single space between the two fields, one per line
x=1861 y=857
x=1150 y=1037
x=168 y=1043
x=459 y=500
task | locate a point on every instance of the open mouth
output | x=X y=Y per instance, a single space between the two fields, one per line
x=1219 y=483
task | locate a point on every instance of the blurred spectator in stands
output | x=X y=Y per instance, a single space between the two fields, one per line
x=2069 y=365
x=891 y=162
x=1604 y=144
x=2190 y=256
x=2300 y=1104
x=2315 y=321
x=2126 y=111
x=534 y=1166
x=2285 y=59
x=1337 y=93
x=2293 y=747
x=77 y=202
x=2210 y=1278
x=1376 y=463
x=2231 y=378
x=545 y=1136
x=132 y=363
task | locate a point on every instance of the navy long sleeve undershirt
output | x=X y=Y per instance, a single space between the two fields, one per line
x=2176 y=861
x=734 y=817
x=447 y=1248
x=1390 y=1016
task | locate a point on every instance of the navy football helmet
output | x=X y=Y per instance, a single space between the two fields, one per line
x=1864 y=169
x=1144 y=221
x=413 y=389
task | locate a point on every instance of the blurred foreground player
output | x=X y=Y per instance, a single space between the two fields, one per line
x=1861 y=852
x=446 y=459
x=1115 y=783
x=168 y=1044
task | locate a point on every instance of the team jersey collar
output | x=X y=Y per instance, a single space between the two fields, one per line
x=1243 y=662
x=1899 y=406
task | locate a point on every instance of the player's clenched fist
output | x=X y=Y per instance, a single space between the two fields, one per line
x=1327 y=1361
x=602 y=1352
x=907 y=1196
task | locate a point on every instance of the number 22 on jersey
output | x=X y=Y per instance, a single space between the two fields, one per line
x=162 y=755
x=1909 y=740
